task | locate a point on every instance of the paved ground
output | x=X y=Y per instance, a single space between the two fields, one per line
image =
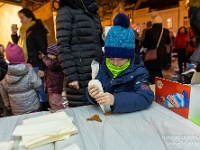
x=172 y=73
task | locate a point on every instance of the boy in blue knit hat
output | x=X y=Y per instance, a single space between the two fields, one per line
x=122 y=74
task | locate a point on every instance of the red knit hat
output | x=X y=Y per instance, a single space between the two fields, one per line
x=15 y=54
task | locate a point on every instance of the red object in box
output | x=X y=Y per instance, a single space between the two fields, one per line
x=165 y=87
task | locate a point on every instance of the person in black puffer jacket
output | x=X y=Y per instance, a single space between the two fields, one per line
x=79 y=41
x=3 y=71
x=33 y=40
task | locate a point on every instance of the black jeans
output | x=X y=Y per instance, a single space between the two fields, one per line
x=189 y=54
x=181 y=59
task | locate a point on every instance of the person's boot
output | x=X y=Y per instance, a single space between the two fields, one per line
x=44 y=106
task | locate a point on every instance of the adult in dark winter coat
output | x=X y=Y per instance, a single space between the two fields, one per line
x=151 y=38
x=79 y=41
x=32 y=39
x=3 y=67
x=3 y=71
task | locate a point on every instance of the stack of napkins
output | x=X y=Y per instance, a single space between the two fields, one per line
x=6 y=145
x=45 y=129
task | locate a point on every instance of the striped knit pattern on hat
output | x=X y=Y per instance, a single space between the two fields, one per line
x=52 y=49
x=120 y=40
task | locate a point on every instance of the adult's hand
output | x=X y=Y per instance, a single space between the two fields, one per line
x=41 y=55
x=74 y=85
x=40 y=73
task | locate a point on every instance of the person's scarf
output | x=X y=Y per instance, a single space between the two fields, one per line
x=117 y=70
x=22 y=38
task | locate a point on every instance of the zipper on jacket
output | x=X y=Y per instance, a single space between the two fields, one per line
x=111 y=81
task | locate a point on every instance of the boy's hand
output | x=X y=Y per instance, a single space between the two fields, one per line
x=93 y=91
x=105 y=99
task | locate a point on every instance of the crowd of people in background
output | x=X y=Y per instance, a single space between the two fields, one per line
x=33 y=74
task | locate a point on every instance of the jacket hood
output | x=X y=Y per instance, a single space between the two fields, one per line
x=85 y=5
x=16 y=73
x=72 y=3
x=194 y=3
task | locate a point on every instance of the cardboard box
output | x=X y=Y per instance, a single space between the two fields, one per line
x=165 y=87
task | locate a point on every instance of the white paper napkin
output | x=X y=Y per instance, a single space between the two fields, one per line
x=7 y=145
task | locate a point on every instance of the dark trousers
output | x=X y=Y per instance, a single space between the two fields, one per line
x=188 y=56
x=154 y=73
x=168 y=61
x=198 y=68
x=181 y=59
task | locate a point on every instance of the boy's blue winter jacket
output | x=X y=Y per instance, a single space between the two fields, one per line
x=130 y=89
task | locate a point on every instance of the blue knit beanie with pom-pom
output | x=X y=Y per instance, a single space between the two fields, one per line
x=120 y=40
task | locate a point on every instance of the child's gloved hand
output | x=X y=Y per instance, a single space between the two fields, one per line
x=40 y=73
x=93 y=90
x=105 y=98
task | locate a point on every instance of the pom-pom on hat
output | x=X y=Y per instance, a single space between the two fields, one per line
x=52 y=49
x=15 y=54
x=120 y=40
x=156 y=18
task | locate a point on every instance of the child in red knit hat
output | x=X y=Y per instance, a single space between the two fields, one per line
x=18 y=88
